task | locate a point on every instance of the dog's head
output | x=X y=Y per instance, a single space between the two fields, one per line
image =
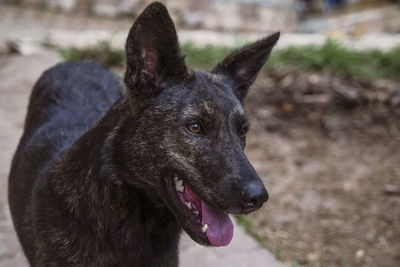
x=191 y=128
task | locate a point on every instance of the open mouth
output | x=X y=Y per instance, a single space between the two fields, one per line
x=204 y=221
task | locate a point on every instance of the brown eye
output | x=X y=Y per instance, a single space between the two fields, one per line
x=243 y=131
x=194 y=128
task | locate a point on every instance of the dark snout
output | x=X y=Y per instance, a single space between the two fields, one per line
x=252 y=190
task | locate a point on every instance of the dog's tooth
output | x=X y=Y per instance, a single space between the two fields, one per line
x=196 y=212
x=179 y=187
x=177 y=180
x=204 y=228
x=189 y=205
x=178 y=184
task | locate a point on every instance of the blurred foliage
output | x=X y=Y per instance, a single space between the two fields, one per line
x=330 y=57
x=335 y=58
x=101 y=53
x=205 y=57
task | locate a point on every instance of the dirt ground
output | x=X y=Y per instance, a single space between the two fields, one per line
x=326 y=148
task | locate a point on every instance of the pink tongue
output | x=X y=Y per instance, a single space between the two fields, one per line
x=220 y=227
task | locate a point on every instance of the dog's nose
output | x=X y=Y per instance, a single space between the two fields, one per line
x=253 y=196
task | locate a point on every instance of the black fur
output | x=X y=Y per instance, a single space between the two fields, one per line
x=89 y=182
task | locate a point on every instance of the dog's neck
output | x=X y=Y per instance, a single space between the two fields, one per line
x=95 y=189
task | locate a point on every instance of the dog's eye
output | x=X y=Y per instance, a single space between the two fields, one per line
x=243 y=131
x=194 y=128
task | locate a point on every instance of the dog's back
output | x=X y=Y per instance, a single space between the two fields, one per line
x=54 y=121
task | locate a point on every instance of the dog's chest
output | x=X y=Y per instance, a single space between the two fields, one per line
x=152 y=242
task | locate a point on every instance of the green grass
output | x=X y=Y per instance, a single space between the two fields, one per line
x=343 y=262
x=101 y=53
x=278 y=251
x=335 y=58
x=330 y=57
x=204 y=57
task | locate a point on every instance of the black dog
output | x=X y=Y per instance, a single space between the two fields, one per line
x=103 y=178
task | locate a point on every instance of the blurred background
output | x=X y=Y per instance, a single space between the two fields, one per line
x=325 y=110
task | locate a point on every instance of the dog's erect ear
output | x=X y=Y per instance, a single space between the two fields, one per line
x=243 y=65
x=153 y=55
